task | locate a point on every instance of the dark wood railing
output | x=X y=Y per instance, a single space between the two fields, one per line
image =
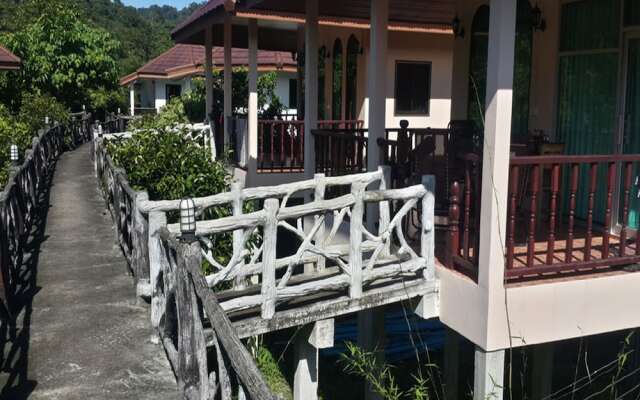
x=347 y=124
x=20 y=199
x=561 y=212
x=280 y=146
x=340 y=152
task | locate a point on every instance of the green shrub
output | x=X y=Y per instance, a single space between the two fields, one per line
x=35 y=108
x=12 y=131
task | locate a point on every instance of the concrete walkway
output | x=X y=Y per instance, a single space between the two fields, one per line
x=80 y=333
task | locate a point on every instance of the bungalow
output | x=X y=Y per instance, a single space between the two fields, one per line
x=8 y=60
x=534 y=110
x=171 y=74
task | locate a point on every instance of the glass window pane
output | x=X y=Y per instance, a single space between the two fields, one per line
x=413 y=87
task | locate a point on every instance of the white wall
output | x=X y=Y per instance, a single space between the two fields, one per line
x=282 y=89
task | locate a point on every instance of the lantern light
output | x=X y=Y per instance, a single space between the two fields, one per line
x=458 y=29
x=537 y=20
x=188 y=218
x=14 y=156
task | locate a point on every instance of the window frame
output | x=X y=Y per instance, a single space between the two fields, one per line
x=398 y=113
x=166 y=91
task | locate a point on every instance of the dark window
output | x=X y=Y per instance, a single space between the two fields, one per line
x=322 y=55
x=353 y=49
x=336 y=92
x=173 y=91
x=293 y=93
x=413 y=88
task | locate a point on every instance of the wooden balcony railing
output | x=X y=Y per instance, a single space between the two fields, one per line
x=280 y=146
x=565 y=215
x=340 y=152
x=347 y=124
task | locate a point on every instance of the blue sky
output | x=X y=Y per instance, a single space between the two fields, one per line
x=146 y=3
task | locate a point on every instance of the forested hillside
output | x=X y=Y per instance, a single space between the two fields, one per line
x=142 y=33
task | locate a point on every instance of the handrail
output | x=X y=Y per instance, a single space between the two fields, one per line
x=21 y=195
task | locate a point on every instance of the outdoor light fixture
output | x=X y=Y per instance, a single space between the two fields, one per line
x=537 y=20
x=46 y=120
x=14 y=156
x=188 y=218
x=456 y=26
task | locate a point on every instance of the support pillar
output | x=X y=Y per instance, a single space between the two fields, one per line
x=228 y=81
x=488 y=381
x=376 y=80
x=371 y=335
x=451 y=364
x=132 y=99
x=307 y=343
x=208 y=69
x=310 y=85
x=542 y=370
x=252 y=112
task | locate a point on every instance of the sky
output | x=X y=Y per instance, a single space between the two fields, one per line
x=146 y=3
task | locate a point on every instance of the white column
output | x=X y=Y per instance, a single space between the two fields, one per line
x=310 y=85
x=307 y=342
x=208 y=69
x=132 y=99
x=489 y=375
x=376 y=79
x=228 y=80
x=497 y=138
x=252 y=117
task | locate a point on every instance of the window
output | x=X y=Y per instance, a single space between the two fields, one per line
x=413 y=88
x=353 y=49
x=173 y=91
x=336 y=92
x=322 y=55
x=293 y=93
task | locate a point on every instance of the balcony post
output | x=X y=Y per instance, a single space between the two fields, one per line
x=132 y=99
x=252 y=112
x=310 y=85
x=208 y=69
x=228 y=80
x=489 y=375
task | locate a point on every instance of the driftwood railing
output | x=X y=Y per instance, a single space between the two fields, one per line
x=561 y=215
x=21 y=195
x=116 y=123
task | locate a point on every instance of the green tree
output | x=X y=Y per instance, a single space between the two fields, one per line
x=62 y=56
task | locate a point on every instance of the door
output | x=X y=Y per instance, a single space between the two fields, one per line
x=631 y=120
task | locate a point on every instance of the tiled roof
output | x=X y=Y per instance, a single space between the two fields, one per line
x=188 y=57
x=8 y=60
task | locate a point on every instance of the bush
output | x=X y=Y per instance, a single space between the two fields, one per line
x=12 y=131
x=35 y=108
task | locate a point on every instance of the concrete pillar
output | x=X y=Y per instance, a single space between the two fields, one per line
x=376 y=79
x=497 y=138
x=371 y=335
x=208 y=69
x=252 y=112
x=488 y=381
x=228 y=81
x=307 y=343
x=132 y=99
x=451 y=364
x=310 y=85
x=542 y=370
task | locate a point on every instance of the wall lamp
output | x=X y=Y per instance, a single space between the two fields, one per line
x=537 y=20
x=458 y=29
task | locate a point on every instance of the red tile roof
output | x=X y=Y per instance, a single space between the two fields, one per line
x=8 y=60
x=185 y=59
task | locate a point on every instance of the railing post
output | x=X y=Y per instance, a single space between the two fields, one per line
x=141 y=246
x=192 y=374
x=320 y=235
x=453 y=238
x=157 y=220
x=237 y=205
x=355 y=240
x=269 y=290
x=427 y=234
x=385 y=207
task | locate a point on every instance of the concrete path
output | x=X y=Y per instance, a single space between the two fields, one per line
x=80 y=333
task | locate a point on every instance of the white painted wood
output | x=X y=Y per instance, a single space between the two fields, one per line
x=208 y=69
x=157 y=220
x=355 y=240
x=489 y=375
x=385 y=206
x=269 y=290
x=320 y=235
x=228 y=80
x=305 y=379
x=132 y=100
x=377 y=80
x=428 y=233
x=310 y=84
x=322 y=334
x=238 y=242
